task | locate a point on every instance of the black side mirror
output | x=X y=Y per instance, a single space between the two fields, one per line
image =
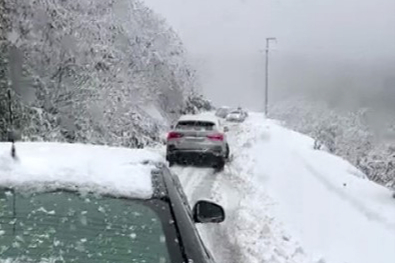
x=226 y=129
x=208 y=212
x=172 y=127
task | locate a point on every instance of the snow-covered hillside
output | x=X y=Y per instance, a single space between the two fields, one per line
x=288 y=203
x=364 y=137
x=106 y=72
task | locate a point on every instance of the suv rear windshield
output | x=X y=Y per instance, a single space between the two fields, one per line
x=67 y=227
x=195 y=125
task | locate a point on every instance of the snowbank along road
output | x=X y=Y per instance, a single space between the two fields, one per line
x=287 y=203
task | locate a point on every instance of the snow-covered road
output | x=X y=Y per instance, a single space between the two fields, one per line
x=205 y=184
x=287 y=203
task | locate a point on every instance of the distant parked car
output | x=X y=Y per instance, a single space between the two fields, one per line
x=198 y=139
x=81 y=203
x=222 y=112
x=238 y=115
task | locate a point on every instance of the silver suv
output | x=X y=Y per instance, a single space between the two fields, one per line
x=198 y=139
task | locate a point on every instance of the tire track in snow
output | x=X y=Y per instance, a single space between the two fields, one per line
x=228 y=189
x=371 y=215
x=193 y=180
x=245 y=236
x=219 y=235
x=223 y=188
x=204 y=183
x=256 y=232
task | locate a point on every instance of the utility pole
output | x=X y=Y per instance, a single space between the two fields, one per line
x=268 y=39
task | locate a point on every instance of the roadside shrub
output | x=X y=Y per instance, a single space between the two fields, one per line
x=344 y=133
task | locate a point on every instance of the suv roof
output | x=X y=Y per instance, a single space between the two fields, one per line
x=100 y=169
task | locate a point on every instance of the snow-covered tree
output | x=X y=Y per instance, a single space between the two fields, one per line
x=3 y=71
x=344 y=133
x=86 y=71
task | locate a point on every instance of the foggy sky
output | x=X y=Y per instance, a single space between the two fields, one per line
x=343 y=49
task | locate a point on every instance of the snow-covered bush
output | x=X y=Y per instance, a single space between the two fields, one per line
x=344 y=133
x=85 y=71
x=196 y=103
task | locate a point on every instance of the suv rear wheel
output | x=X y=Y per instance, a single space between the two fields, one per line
x=171 y=159
x=219 y=165
x=171 y=162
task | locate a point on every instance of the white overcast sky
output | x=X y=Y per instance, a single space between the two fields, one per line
x=225 y=40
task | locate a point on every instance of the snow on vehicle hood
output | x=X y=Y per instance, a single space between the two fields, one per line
x=100 y=169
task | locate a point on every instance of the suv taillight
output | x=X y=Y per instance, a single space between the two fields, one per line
x=174 y=135
x=216 y=137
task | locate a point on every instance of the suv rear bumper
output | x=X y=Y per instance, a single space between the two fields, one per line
x=195 y=156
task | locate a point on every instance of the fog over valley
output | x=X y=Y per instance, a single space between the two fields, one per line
x=342 y=52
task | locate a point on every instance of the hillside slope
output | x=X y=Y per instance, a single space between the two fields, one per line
x=105 y=72
x=364 y=137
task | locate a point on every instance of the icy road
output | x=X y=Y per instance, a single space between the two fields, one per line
x=288 y=203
